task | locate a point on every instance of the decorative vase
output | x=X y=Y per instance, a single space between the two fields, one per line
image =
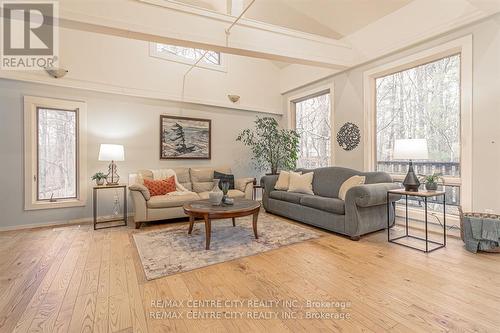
x=99 y=182
x=431 y=186
x=215 y=196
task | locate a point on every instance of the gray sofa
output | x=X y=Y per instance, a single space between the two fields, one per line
x=363 y=211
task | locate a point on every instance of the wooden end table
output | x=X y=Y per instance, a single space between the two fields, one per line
x=425 y=195
x=205 y=210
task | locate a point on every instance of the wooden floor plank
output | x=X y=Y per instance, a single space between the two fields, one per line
x=119 y=313
x=83 y=316
x=14 y=304
x=75 y=279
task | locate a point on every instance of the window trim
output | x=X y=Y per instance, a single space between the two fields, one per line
x=153 y=52
x=310 y=93
x=31 y=106
x=462 y=46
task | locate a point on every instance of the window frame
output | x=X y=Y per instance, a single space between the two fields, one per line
x=311 y=93
x=31 y=106
x=461 y=46
x=153 y=52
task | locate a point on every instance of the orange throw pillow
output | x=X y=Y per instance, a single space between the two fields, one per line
x=160 y=187
x=170 y=184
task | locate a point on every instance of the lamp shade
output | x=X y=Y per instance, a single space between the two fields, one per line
x=109 y=152
x=410 y=149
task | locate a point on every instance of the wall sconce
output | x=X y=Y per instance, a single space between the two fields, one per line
x=56 y=72
x=233 y=98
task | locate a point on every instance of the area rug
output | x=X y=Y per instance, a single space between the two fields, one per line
x=172 y=250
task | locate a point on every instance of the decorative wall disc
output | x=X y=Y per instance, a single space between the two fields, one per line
x=349 y=136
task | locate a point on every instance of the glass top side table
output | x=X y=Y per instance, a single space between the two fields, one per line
x=95 y=206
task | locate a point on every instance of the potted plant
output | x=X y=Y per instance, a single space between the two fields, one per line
x=431 y=181
x=99 y=178
x=274 y=148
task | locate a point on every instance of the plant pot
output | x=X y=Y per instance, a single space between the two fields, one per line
x=431 y=186
x=99 y=182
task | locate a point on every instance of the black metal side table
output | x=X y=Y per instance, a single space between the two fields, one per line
x=425 y=195
x=94 y=197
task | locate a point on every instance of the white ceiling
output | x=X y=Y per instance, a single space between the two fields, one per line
x=328 y=18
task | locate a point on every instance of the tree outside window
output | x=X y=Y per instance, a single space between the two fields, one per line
x=312 y=122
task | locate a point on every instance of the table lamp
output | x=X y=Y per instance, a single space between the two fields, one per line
x=113 y=153
x=410 y=149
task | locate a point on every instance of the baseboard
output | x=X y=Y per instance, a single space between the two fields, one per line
x=63 y=223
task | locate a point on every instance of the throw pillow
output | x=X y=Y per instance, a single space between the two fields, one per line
x=171 y=187
x=351 y=182
x=224 y=178
x=161 y=186
x=301 y=183
x=283 y=181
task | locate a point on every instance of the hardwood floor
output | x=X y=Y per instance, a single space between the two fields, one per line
x=74 y=279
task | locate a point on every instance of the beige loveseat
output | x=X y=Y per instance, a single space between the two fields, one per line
x=198 y=180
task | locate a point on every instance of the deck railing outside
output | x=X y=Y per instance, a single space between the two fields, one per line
x=448 y=169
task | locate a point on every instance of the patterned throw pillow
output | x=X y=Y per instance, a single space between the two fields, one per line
x=224 y=178
x=170 y=184
x=160 y=187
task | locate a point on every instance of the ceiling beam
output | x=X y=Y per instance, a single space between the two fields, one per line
x=163 y=22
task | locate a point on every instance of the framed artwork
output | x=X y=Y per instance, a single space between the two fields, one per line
x=185 y=138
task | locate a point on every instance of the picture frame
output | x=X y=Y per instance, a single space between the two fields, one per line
x=185 y=138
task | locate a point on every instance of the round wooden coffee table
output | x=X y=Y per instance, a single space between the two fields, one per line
x=205 y=210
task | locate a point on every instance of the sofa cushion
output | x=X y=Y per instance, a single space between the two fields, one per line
x=331 y=205
x=168 y=201
x=183 y=175
x=187 y=186
x=200 y=187
x=287 y=196
x=199 y=175
x=202 y=179
x=230 y=193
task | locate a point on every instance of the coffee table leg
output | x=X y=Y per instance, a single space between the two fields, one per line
x=208 y=228
x=234 y=222
x=254 y=222
x=191 y=224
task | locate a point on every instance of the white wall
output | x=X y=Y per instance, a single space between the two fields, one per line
x=348 y=106
x=131 y=121
x=114 y=64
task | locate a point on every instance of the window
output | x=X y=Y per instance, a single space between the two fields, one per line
x=313 y=123
x=54 y=165
x=57 y=154
x=187 y=55
x=422 y=102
